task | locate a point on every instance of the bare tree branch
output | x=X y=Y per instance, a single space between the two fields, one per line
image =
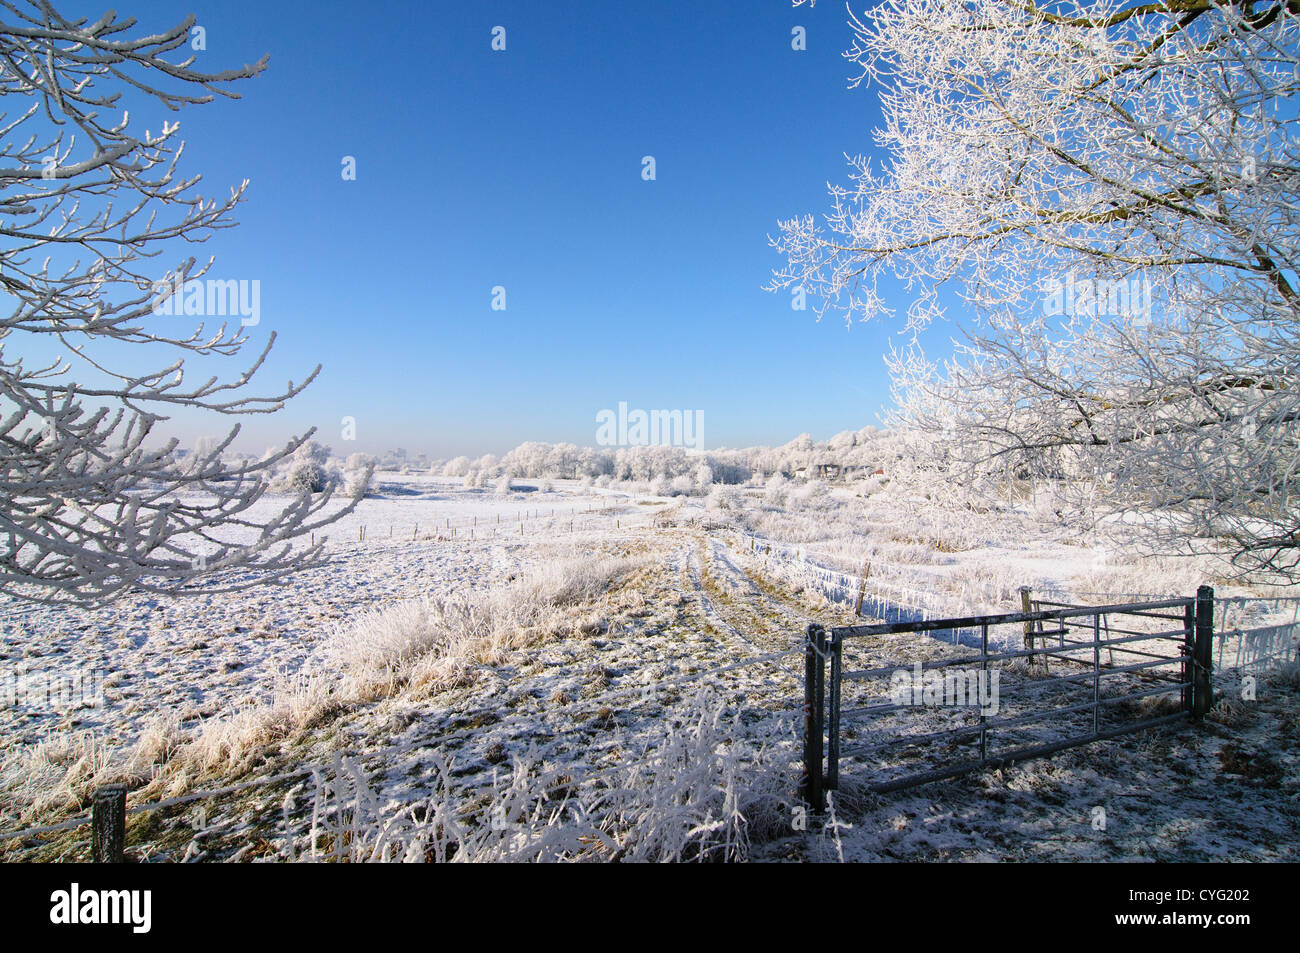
x=88 y=508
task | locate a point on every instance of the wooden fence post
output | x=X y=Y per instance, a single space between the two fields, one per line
x=862 y=588
x=1025 y=604
x=108 y=822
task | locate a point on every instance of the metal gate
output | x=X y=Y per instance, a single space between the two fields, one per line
x=1044 y=680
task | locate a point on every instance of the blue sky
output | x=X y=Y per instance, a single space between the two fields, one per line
x=522 y=169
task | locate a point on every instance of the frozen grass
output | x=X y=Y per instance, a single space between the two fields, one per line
x=710 y=791
x=410 y=648
x=56 y=774
x=434 y=642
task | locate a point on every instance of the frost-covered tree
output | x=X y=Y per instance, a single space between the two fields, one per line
x=309 y=470
x=526 y=460
x=594 y=464
x=1110 y=189
x=358 y=470
x=562 y=460
x=92 y=501
x=456 y=467
x=703 y=476
x=777 y=491
x=723 y=498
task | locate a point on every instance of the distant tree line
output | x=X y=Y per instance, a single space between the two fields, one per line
x=867 y=449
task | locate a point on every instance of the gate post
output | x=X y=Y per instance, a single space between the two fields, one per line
x=108 y=823
x=814 y=707
x=836 y=647
x=1202 y=692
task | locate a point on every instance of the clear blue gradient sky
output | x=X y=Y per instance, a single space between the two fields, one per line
x=522 y=169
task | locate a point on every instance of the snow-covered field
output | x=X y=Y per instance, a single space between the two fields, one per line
x=569 y=671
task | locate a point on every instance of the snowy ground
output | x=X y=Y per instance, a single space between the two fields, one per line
x=205 y=693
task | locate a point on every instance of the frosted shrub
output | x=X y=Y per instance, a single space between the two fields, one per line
x=308 y=470
x=723 y=498
x=358 y=474
x=504 y=485
x=812 y=493
x=659 y=486
x=683 y=486
x=777 y=492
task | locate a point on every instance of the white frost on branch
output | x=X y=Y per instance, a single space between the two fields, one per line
x=90 y=506
x=1144 y=151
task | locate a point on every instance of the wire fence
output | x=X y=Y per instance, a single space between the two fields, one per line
x=1251 y=632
